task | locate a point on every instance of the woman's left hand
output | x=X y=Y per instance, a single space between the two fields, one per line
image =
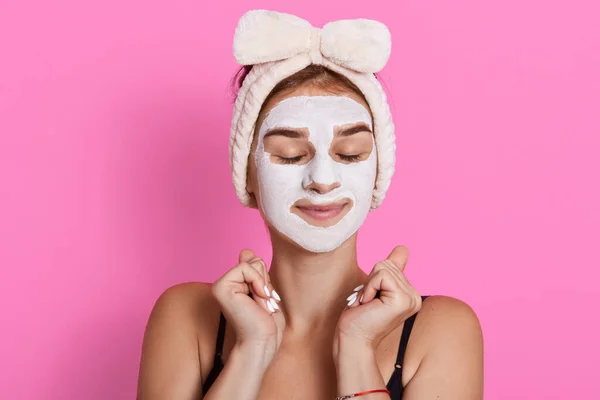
x=367 y=319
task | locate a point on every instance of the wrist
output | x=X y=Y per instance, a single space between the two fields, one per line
x=352 y=350
x=357 y=369
x=256 y=355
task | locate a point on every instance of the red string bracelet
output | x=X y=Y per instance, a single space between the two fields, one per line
x=349 y=396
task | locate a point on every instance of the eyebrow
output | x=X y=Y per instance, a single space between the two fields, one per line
x=355 y=129
x=285 y=132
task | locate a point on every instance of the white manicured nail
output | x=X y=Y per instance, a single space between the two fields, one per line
x=356 y=289
x=274 y=304
x=270 y=306
x=352 y=296
x=361 y=297
x=267 y=291
x=352 y=301
x=276 y=295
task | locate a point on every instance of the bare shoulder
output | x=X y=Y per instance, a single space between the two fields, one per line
x=448 y=351
x=453 y=314
x=189 y=302
x=190 y=306
x=445 y=321
x=177 y=347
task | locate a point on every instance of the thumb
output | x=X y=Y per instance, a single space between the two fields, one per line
x=399 y=256
x=246 y=255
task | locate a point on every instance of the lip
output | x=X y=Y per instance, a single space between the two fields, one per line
x=321 y=214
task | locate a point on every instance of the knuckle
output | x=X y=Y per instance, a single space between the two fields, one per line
x=419 y=302
x=406 y=301
x=242 y=265
x=217 y=289
x=214 y=288
x=387 y=274
x=380 y=266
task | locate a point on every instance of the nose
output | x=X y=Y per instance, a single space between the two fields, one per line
x=322 y=188
x=322 y=175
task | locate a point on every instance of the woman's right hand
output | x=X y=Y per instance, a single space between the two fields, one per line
x=257 y=320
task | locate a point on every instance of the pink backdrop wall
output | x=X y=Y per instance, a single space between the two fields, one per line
x=114 y=179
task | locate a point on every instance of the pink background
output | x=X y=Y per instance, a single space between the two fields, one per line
x=115 y=183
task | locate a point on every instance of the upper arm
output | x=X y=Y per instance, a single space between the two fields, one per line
x=452 y=367
x=170 y=365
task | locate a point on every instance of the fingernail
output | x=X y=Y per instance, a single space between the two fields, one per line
x=276 y=295
x=356 y=289
x=267 y=291
x=274 y=304
x=352 y=296
x=361 y=297
x=352 y=301
x=270 y=306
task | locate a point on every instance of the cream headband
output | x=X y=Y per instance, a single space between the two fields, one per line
x=278 y=45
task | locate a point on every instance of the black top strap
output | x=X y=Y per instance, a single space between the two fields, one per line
x=408 y=325
x=220 y=336
x=218 y=362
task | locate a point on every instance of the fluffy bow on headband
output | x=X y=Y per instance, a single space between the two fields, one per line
x=262 y=36
x=278 y=45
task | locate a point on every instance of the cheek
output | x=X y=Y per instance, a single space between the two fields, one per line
x=277 y=182
x=360 y=177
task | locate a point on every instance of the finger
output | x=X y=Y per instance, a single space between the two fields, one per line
x=260 y=266
x=394 y=285
x=382 y=280
x=260 y=263
x=270 y=304
x=412 y=293
x=279 y=318
x=265 y=303
x=404 y=282
x=385 y=265
x=353 y=299
x=241 y=279
x=399 y=256
x=246 y=273
x=246 y=255
x=262 y=296
x=391 y=267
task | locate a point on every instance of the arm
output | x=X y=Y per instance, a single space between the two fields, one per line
x=452 y=367
x=170 y=366
x=242 y=374
x=357 y=369
x=175 y=349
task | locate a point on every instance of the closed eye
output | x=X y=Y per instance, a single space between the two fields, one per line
x=349 y=158
x=290 y=160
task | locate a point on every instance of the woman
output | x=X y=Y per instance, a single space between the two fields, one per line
x=312 y=147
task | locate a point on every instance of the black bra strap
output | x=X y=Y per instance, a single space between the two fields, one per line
x=217 y=363
x=220 y=336
x=408 y=325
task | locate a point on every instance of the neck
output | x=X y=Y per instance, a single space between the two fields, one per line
x=313 y=286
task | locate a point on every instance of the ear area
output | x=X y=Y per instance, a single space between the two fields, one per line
x=250 y=183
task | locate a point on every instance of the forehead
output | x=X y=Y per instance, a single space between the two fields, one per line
x=306 y=91
x=312 y=111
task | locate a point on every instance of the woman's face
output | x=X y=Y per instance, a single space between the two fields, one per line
x=312 y=166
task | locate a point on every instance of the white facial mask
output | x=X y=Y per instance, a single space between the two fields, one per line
x=281 y=185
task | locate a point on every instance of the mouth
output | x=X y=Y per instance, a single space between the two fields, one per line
x=323 y=215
